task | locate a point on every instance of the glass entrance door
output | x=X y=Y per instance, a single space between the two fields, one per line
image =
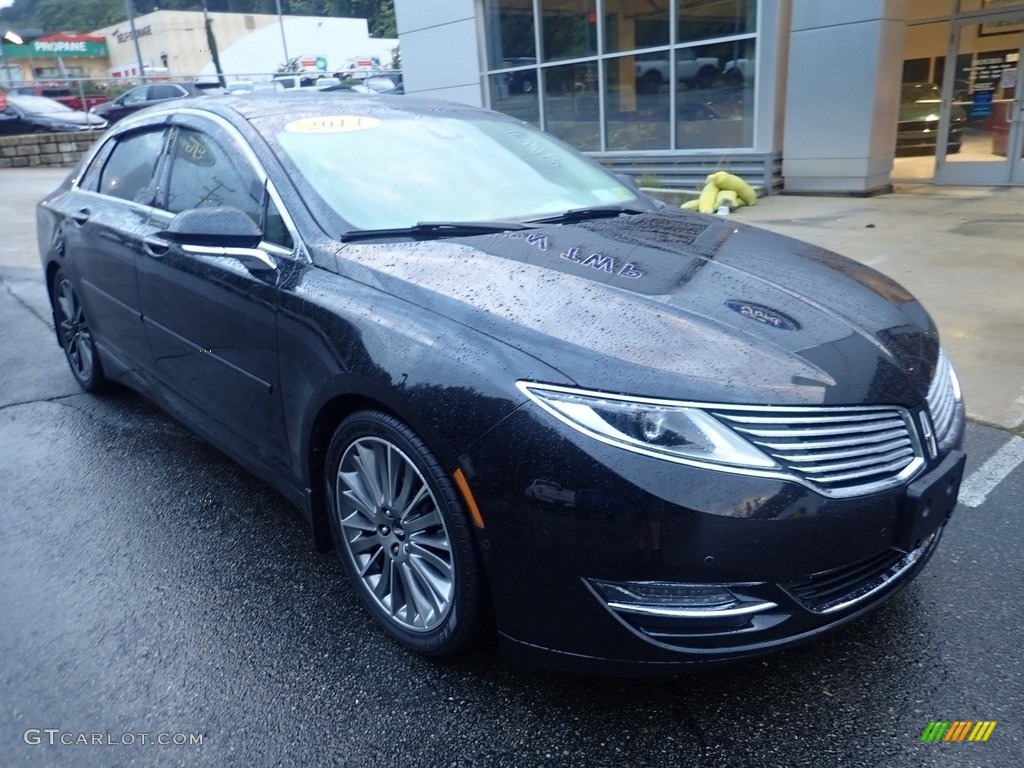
x=982 y=116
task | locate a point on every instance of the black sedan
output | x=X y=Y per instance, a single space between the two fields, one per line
x=38 y=114
x=507 y=388
x=143 y=96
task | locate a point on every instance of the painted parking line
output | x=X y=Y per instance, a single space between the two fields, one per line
x=995 y=469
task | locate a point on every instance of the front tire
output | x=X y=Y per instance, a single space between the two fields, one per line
x=402 y=535
x=75 y=334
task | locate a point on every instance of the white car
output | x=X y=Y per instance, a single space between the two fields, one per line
x=695 y=71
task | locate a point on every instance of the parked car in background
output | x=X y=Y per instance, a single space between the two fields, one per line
x=917 y=132
x=652 y=70
x=738 y=72
x=38 y=114
x=384 y=83
x=359 y=68
x=63 y=94
x=295 y=83
x=240 y=86
x=402 y=314
x=147 y=95
x=523 y=81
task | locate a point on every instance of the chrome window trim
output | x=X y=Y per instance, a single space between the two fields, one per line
x=160 y=119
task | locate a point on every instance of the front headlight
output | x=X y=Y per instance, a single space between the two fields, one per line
x=660 y=428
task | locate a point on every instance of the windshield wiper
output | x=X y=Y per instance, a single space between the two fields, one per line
x=594 y=212
x=433 y=229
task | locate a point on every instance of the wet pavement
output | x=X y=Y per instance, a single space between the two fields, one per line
x=148 y=585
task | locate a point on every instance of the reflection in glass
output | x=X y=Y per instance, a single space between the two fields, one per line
x=715 y=110
x=915 y=158
x=569 y=28
x=917 y=132
x=571 y=104
x=977 y=5
x=655 y=97
x=515 y=94
x=707 y=19
x=632 y=24
x=637 y=114
x=984 y=99
x=510 y=35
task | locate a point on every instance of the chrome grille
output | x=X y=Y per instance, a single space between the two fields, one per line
x=840 y=451
x=841 y=588
x=943 y=396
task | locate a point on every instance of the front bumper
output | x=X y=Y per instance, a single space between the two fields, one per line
x=650 y=567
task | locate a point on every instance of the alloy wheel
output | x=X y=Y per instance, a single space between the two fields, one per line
x=394 y=534
x=74 y=331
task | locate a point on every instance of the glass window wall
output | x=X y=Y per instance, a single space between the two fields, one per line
x=626 y=75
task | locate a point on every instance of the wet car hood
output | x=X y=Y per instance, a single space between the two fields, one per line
x=674 y=305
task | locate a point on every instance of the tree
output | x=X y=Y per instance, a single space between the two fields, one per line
x=80 y=16
x=384 y=23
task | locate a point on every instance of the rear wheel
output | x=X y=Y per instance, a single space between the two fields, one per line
x=402 y=535
x=75 y=334
x=706 y=78
x=650 y=82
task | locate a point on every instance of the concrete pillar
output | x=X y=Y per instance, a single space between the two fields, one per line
x=842 y=95
x=440 y=49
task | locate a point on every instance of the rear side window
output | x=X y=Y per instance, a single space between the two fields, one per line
x=128 y=174
x=90 y=180
x=157 y=92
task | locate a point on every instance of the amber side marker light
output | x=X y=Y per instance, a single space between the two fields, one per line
x=467 y=496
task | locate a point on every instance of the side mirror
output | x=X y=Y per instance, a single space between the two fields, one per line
x=220 y=226
x=214 y=231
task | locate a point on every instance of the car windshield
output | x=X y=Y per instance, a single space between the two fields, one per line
x=921 y=94
x=38 y=104
x=396 y=169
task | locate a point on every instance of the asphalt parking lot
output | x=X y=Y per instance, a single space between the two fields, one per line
x=148 y=585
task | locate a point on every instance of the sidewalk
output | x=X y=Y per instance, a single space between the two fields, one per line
x=960 y=250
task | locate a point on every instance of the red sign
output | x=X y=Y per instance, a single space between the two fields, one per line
x=3 y=100
x=63 y=37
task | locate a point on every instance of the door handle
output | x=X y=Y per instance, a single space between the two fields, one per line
x=155 y=246
x=81 y=216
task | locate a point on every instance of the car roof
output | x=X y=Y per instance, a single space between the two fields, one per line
x=257 y=105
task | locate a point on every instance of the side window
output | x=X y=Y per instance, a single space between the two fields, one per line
x=90 y=180
x=274 y=228
x=204 y=173
x=128 y=173
x=157 y=92
x=135 y=95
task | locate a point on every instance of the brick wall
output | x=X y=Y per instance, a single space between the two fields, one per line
x=56 y=149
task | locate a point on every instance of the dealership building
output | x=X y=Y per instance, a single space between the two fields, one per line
x=814 y=96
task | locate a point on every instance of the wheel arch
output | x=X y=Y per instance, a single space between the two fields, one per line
x=323 y=422
x=51 y=270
